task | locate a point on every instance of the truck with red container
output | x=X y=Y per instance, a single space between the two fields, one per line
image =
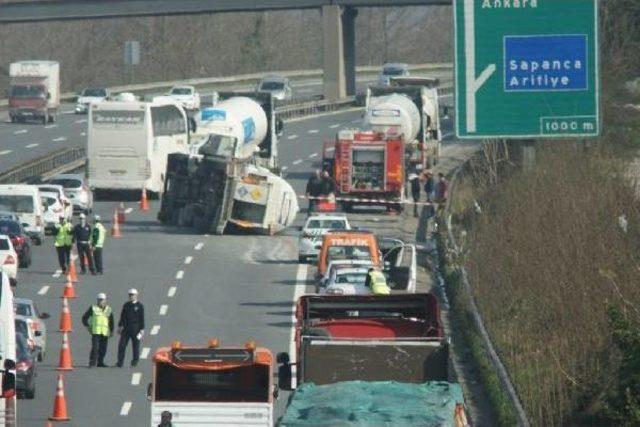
x=376 y=347
x=34 y=91
x=367 y=166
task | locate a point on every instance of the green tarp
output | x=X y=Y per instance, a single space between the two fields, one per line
x=373 y=404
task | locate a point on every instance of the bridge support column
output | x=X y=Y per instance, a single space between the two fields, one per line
x=337 y=57
x=349 y=15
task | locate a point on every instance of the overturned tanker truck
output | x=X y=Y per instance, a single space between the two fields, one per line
x=228 y=181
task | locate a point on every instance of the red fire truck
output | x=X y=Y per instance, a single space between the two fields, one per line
x=368 y=168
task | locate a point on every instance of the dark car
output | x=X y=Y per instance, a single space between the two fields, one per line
x=21 y=242
x=25 y=368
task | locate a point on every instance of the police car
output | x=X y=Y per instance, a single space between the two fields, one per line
x=316 y=227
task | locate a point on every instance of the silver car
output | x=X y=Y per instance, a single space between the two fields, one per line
x=76 y=189
x=27 y=310
x=279 y=87
x=392 y=70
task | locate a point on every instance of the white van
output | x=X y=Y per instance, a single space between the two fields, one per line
x=7 y=354
x=24 y=201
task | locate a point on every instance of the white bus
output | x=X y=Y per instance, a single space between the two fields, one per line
x=128 y=143
x=7 y=355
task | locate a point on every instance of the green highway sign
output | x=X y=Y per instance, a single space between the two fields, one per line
x=526 y=68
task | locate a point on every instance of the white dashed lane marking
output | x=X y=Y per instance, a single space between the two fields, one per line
x=155 y=329
x=83 y=134
x=128 y=210
x=43 y=290
x=135 y=378
x=126 y=407
x=292 y=136
x=198 y=246
x=297 y=162
x=312 y=155
x=179 y=275
x=19 y=132
x=51 y=126
x=163 y=309
x=172 y=291
x=35 y=144
x=81 y=121
x=57 y=274
x=284 y=168
x=313 y=131
x=3 y=152
x=335 y=125
x=188 y=260
x=59 y=139
x=145 y=352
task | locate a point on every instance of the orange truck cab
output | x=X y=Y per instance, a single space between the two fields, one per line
x=212 y=385
x=348 y=245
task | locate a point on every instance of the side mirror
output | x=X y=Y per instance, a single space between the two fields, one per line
x=150 y=392
x=38 y=333
x=45 y=315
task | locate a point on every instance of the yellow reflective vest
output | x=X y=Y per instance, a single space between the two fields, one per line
x=63 y=234
x=379 y=283
x=99 y=320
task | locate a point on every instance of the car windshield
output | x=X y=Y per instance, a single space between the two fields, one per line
x=393 y=71
x=15 y=203
x=348 y=252
x=351 y=278
x=272 y=86
x=9 y=227
x=180 y=91
x=67 y=182
x=329 y=224
x=23 y=309
x=48 y=188
x=218 y=145
x=49 y=201
x=28 y=91
x=98 y=93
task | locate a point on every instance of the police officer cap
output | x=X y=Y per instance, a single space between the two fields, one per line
x=82 y=216
x=96 y=217
x=101 y=295
x=133 y=291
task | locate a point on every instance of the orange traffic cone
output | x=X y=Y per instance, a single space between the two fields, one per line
x=144 y=203
x=65 y=317
x=115 y=229
x=60 y=403
x=68 y=292
x=73 y=273
x=121 y=217
x=66 y=362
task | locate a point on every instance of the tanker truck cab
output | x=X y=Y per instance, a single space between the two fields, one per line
x=213 y=386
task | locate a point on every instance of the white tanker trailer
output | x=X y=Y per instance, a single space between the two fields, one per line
x=228 y=182
x=410 y=107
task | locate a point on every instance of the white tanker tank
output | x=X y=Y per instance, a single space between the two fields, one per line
x=239 y=119
x=393 y=111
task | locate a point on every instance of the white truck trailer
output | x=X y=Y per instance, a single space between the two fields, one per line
x=34 y=91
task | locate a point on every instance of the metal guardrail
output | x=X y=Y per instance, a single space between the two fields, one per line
x=499 y=367
x=43 y=165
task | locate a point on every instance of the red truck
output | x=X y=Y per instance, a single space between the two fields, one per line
x=367 y=166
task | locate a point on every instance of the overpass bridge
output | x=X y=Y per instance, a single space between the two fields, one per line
x=338 y=22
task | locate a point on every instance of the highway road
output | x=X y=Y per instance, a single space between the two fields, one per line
x=194 y=287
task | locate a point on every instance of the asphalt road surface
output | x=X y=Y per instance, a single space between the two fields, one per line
x=194 y=287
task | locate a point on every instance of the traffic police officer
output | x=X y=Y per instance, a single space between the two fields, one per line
x=131 y=327
x=377 y=282
x=82 y=237
x=62 y=232
x=98 y=319
x=98 y=234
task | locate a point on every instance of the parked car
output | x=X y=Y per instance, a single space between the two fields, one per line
x=90 y=96
x=8 y=259
x=341 y=263
x=392 y=70
x=25 y=328
x=278 y=86
x=19 y=238
x=28 y=309
x=25 y=368
x=25 y=202
x=59 y=190
x=76 y=189
x=314 y=229
x=187 y=96
x=346 y=280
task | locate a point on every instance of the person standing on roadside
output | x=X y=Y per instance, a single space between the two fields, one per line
x=414 y=181
x=442 y=189
x=61 y=234
x=314 y=187
x=131 y=327
x=98 y=235
x=98 y=319
x=82 y=238
x=329 y=185
x=429 y=185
